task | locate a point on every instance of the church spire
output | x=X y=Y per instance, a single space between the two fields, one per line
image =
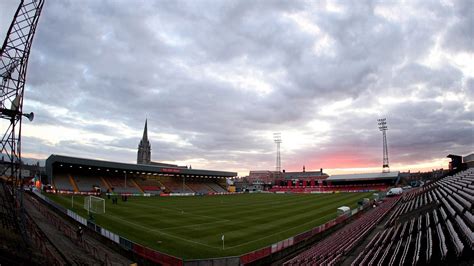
x=144 y=148
x=145 y=131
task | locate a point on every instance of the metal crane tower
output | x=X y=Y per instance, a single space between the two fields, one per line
x=14 y=55
x=383 y=127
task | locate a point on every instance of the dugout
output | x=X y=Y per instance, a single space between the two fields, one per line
x=343 y=210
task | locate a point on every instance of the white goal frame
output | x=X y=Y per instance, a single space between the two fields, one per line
x=89 y=205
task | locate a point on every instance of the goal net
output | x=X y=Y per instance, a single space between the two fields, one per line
x=94 y=204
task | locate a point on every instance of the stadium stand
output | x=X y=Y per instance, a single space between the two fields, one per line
x=83 y=174
x=432 y=224
x=216 y=187
x=341 y=183
x=87 y=183
x=61 y=182
x=330 y=188
x=118 y=184
x=173 y=185
x=199 y=186
x=149 y=185
x=331 y=249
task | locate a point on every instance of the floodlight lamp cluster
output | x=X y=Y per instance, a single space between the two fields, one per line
x=382 y=122
x=277 y=137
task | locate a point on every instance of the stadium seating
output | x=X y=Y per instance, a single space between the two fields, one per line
x=61 y=182
x=216 y=187
x=330 y=188
x=149 y=185
x=440 y=232
x=87 y=183
x=330 y=250
x=174 y=185
x=155 y=185
x=118 y=184
x=199 y=186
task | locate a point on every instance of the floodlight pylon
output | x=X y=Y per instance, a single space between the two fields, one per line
x=14 y=54
x=383 y=128
x=278 y=141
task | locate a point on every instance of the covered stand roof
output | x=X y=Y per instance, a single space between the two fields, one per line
x=363 y=177
x=55 y=160
x=303 y=175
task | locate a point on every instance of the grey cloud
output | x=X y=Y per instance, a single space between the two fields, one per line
x=120 y=63
x=460 y=34
x=445 y=78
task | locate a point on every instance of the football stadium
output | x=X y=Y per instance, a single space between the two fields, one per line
x=86 y=210
x=156 y=213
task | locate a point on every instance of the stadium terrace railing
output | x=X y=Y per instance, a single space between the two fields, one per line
x=97 y=252
x=38 y=238
x=165 y=259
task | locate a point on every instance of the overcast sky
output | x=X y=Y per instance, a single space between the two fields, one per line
x=216 y=78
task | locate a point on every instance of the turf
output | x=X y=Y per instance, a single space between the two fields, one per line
x=192 y=227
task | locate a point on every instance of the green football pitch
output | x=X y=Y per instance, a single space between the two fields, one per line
x=192 y=227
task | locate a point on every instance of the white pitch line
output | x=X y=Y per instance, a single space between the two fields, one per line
x=192 y=225
x=255 y=240
x=186 y=212
x=221 y=220
x=158 y=230
x=198 y=215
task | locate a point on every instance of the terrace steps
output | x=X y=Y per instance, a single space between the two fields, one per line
x=137 y=186
x=161 y=184
x=106 y=184
x=210 y=188
x=186 y=187
x=73 y=183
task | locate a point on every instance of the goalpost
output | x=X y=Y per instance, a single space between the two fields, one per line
x=94 y=204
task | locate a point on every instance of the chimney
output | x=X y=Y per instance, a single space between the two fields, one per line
x=321 y=170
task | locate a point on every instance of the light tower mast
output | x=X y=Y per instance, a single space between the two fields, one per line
x=383 y=127
x=277 y=139
x=14 y=54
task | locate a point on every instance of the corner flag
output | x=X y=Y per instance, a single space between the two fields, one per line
x=222 y=242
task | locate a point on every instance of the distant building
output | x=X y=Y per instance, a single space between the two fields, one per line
x=261 y=177
x=306 y=175
x=304 y=178
x=27 y=170
x=456 y=162
x=144 y=148
x=459 y=163
x=264 y=179
x=469 y=160
x=144 y=151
